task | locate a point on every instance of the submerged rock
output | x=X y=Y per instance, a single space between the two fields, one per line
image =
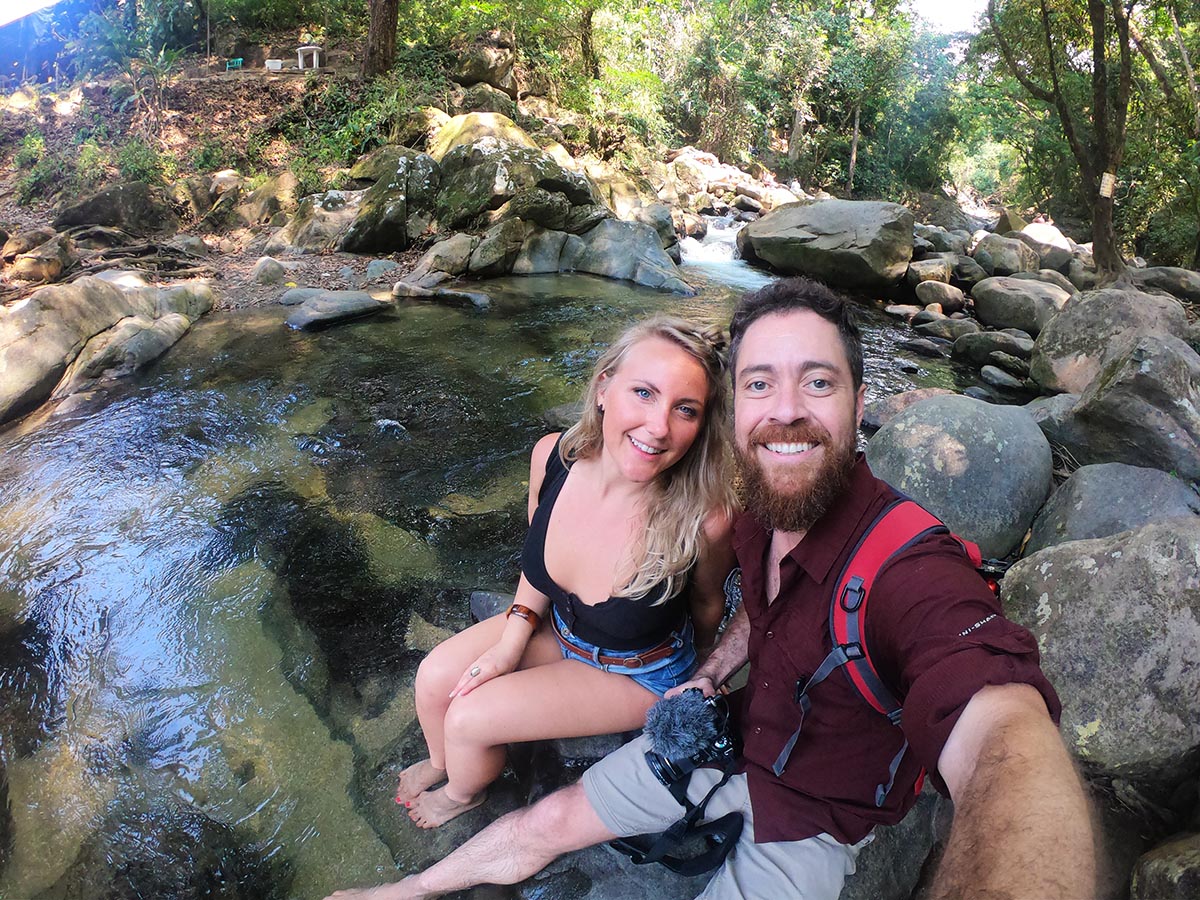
x=171 y=851
x=330 y=307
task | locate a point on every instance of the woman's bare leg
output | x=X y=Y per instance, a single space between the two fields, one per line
x=438 y=674
x=566 y=698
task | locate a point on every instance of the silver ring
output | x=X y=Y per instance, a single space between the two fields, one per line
x=474 y=671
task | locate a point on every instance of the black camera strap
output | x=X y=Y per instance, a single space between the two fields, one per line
x=720 y=835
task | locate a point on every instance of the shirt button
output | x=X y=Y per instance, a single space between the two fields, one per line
x=770 y=634
x=765 y=685
x=758 y=731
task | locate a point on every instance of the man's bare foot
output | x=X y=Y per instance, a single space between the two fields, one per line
x=408 y=889
x=418 y=778
x=434 y=808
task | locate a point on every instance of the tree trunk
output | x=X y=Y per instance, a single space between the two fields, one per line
x=797 y=136
x=380 y=51
x=853 y=151
x=591 y=62
x=1104 y=240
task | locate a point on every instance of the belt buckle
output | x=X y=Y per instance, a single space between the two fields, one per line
x=633 y=662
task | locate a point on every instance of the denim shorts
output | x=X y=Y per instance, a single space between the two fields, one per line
x=659 y=677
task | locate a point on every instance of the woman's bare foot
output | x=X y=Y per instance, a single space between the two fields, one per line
x=418 y=778
x=434 y=808
x=408 y=889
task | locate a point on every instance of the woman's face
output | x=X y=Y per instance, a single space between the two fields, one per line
x=654 y=407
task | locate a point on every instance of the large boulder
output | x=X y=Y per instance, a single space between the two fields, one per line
x=274 y=196
x=879 y=412
x=46 y=262
x=24 y=241
x=1069 y=350
x=983 y=469
x=936 y=269
x=471 y=127
x=41 y=337
x=482 y=97
x=1017 y=303
x=612 y=249
x=629 y=251
x=398 y=208
x=128 y=346
x=1169 y=872
x=977 y=348
x=490 y=59
x=890 y=866
x=947 y=296
x=1007 y=255
x=1117 y=621
x=498 y=249
x=135 y=207
x=941 y=239
x=941 y=212
x=848 y=243
x=1100 y=500
x=1181 y=283
x=485 y=175
x=1050 y=276
x=1052 y=246
x=319 y=224
x=1144 y=408
x=449 y=256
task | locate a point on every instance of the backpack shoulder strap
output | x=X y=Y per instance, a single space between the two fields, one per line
x=899 y=526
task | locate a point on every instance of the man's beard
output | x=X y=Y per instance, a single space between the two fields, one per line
x=791 y=503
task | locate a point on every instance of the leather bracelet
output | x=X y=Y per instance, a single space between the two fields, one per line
x=524 y=612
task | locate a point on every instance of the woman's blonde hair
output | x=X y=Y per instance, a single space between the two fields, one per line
x=694 y=487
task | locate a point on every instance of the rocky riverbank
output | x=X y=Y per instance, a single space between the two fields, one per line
x=1105 y=380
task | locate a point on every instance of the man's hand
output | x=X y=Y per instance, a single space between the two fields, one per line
x=703 y=684
x=1022 y=825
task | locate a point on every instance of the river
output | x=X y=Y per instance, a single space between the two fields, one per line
x=216 y=581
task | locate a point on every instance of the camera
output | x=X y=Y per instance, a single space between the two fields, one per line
x=689 y=731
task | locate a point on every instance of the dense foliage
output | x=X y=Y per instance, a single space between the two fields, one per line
x=857 y=97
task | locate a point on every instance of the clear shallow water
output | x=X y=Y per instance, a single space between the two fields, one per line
x=216 y=581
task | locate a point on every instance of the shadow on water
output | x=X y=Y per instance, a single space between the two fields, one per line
x=217 y=580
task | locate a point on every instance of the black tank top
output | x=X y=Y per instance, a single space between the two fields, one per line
x=618 y=623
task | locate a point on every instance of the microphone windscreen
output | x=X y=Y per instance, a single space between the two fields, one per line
x=681 y=726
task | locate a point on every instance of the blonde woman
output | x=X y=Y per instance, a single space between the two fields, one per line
x=628 y=547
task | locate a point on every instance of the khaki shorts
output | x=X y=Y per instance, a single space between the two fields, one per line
x=629 y=800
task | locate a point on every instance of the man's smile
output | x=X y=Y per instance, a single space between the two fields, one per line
x=790 y=449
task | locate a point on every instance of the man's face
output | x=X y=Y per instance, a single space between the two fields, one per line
x=796 y=416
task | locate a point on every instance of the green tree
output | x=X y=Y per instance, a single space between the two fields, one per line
x=1057 y=57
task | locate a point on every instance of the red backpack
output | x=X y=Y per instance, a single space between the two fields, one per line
x=900 y=525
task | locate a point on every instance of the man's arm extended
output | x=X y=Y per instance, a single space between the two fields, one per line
x=727 y=657
x=1022 y=825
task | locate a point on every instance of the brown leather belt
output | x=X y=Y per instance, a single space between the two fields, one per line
x=654 y=654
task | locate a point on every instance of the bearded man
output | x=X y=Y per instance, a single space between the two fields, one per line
x=814 y=780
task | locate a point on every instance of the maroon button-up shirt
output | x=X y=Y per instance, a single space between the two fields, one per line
x=936 y=635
